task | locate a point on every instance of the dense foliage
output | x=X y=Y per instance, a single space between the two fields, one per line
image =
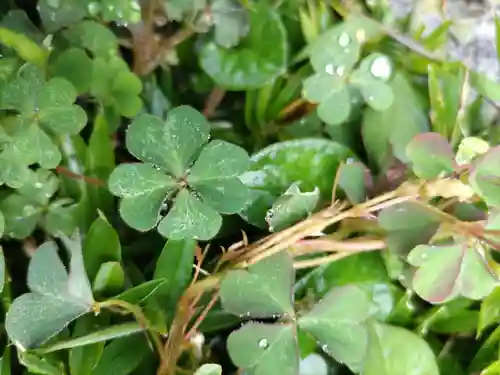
x=254 y=187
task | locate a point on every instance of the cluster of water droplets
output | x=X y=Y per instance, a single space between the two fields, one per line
x=344 y=41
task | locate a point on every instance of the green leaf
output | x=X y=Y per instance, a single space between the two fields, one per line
x=209 y=369
x=25 y=47
x=190 y=217
x=260 y=57
x=258 y=203
x=21 y=215
x=174 y=266
x=407 y=225
x=446 y=272
x=395 y=350
x=379 y=132
x=371 y=79
x=215 y=176
x=337 y=48
x=84 y=358
x=490 y=310
x=172 y=144
x=291 y=207
x=337 y=322
x=94 y=37
x=230 y=22
x=313 y=162
x=352 y=181
x=99 y=336
x=264 y=290
x=177 y=9
x=38 y=365
x=485 y=178
x=445 y=93
x=55 y=300
x=122 y=12
x=141 y=292
x=56 y=14
x=144 y=189
x=431 y=156
x=61 y=216
x=116 y=86
x=122 y=356
x=101 y=245
x=2 y=270
x=484 y=85
x=109 y=279
x=74 y=65
x=265 y=349
x=335 y=109
x=219 y=159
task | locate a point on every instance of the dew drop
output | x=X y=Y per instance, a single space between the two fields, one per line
x=94 y=8
x=381 y=68
x=38 y=185
x=325 y=349
x=330 y=69
x=269 y=215
x=263 y=344
x=344 y=40
x=340 y=70
x=361 y=35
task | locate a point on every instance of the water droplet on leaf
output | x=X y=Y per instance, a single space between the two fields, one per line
x=263 y=344
x=330 y=69
x=381 y=68
x=340 y=70
x=344 y=40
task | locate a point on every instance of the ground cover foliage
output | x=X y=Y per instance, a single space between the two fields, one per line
x=244 y=187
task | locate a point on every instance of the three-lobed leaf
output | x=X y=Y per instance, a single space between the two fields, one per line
x=448 y=271
x=56 y=297
x=337 y=323
x=264 y=290
x=265 y=349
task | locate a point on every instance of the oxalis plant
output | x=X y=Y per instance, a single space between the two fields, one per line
x=244 y=187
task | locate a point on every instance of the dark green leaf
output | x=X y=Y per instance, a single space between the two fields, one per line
x=74 y=65
x=56 y=14
x=102 y=335
x=260 y=57
x=190 y=218
x=408 y=225
x=175 y=266
x=490 y=310
x=337 y=322
x=313 y=162
x=83 y=359
x=55 y=300
x=230 y=22
x=109 y=279
x=353 y=180
x=395 y=351
x=264 y=290
x=122 y=356
x=101 y=245
x=265 y=349
x=291 y=207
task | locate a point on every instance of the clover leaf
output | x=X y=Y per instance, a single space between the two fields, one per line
x=262 y=291
x=431 y=156
x=446 y=272
x=333 y=57
x=291 y=207
x=43 y=108
x=265 y=348
x=337 y=322
x=56 y=297
x=230 y=22
x=31 y=205
x=116 y=86
x=485 y=177
x=200 y=179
